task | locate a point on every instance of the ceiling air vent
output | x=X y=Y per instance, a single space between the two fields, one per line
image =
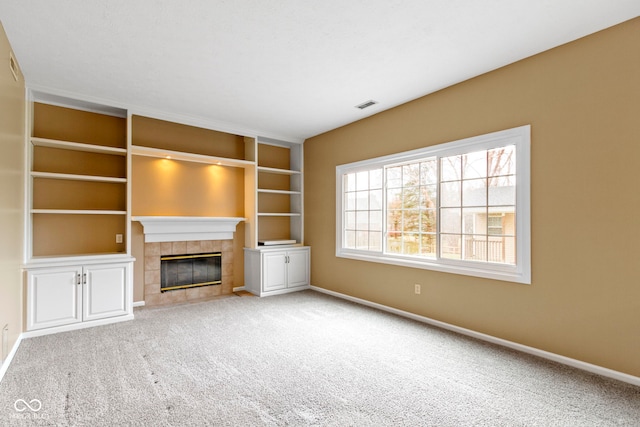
x=366 y=104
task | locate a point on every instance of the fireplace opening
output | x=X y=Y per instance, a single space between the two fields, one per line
x=190 y=271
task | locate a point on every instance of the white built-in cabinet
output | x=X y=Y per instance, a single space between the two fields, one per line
x=72 y=294
x=276 y=270
x=272 y=268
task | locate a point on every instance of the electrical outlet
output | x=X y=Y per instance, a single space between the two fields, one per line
x=118 y=238
x=417 y=288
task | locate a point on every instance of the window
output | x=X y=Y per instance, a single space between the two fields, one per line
x=460 y=207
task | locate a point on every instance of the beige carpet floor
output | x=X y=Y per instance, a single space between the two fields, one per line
x=302 y=359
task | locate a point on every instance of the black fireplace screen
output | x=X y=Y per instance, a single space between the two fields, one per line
x=189 y=271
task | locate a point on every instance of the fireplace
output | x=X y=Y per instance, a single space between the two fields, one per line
x=167 y=236
x=190 y=271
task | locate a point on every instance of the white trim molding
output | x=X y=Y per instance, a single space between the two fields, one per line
x=187 y=228
x=5 y=365
x=138 y=304
x=574 y=363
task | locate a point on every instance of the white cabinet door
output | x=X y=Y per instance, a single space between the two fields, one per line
x=54 y=297
x=298 y=268
x=105 y=291
x=274 y=271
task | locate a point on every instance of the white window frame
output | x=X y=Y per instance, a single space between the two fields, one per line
x=520 y=272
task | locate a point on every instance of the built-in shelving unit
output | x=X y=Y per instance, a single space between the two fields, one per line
x=279 y=191
x=77 y=183
x=90 y=167
x=78 y=267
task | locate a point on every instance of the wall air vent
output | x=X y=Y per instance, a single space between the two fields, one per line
x=366 y=104
x=13 y=66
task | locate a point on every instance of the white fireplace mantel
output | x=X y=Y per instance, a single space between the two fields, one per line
x=187 y=228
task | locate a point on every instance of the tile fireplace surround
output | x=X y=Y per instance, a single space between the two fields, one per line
x=152 y=253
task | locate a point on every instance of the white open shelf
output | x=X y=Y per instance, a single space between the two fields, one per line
x=77 y=146
x=188 y=157
x=74 y=177
x=77 y=212
x=278 y=171
x=288 y=192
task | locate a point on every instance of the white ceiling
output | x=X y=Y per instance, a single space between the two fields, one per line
x=287 y=69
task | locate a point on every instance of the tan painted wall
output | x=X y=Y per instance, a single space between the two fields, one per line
x=583 y=103
x=12 y=128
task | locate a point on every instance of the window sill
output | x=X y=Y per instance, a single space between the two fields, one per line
x=483 y=270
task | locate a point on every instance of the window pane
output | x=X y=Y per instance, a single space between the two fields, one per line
x=394 y=220
x=362 y=180
x=411 y=220
x=375 y=241
x=450 y=246
x=375 y=220
x=475 y=248
x=429 y=172
x=428 y=245
x=450 y=220
x=350 y=182
x=362 y=200
x=474 y=165
x=502 y=190
x=350 y=220
x=375 y=178
x=410 y=197
x=450 y=194
x=362 y=240
x=411 y=174
x=394 y=242
x=394 y=199
x=450 y=168
x=350 y=204
x=502 y=161
x=474 y=192
x=394 y=177
x=375 y=199
x=507 y=219
x=428 y=220
x=474 y=220
x=350 y=239
x=362 y=220
x=494 y=225
x=508 y=250
x=428 y=196
x=410 y=244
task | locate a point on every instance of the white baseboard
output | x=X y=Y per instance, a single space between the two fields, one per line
x=239 y=288
x=7 y=361
x=595 y=369
x=138 y=304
